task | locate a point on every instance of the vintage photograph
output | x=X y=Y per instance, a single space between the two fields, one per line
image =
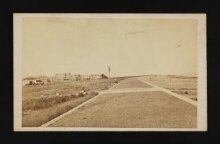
x=110 y=72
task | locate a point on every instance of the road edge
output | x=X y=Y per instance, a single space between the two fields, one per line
x=73 y=109
x=183 y=98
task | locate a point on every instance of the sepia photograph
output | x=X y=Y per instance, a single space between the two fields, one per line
x=110 y=72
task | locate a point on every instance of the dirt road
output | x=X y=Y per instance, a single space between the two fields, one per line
x=132 y=104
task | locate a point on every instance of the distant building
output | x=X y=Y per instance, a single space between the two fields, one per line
x=63 y=77
x=78 y=77
x=34 y=80
x=86 y=77
x=103 y=76
x=45 y=79
x=58 y=78
x=96 y=77
x=67 y=76
x=28 y=80
x=25 y=82
x=75 y=77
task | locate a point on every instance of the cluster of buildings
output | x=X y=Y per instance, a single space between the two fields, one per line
x=73 y=77
x=60 y=78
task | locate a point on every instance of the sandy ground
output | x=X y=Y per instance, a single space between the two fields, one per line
x=149 y=109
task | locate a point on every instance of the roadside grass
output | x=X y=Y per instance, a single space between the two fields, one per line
x=45 y=102
x=42 y=103
x=186 y=86
x=38 y=117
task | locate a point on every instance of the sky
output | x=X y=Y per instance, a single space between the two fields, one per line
x=90 y=45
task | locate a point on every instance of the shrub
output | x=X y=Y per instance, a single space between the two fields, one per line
x=186 y=92
x=94 y=93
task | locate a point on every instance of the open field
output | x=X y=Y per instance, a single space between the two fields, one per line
x=183 y=85
x=41 y=103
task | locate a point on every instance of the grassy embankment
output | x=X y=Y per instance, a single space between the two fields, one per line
x=42 y=103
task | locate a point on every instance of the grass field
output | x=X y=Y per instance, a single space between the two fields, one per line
x=41 y=103
x=183 y=85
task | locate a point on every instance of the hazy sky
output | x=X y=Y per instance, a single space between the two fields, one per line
x=128 y=46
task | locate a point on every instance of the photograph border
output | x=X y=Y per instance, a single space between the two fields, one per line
x=202 y=66
x=210 y=8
